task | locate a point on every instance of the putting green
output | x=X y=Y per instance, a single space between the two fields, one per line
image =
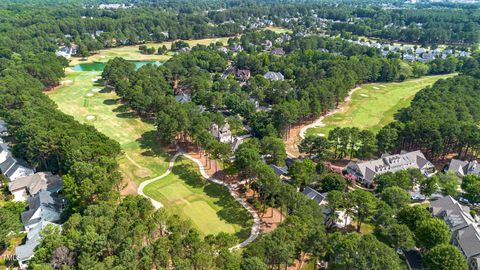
x=374 y=105
x=209 y=206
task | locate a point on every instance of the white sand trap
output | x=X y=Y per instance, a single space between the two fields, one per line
x=364 y=95
x=90 y=117
x=321 y=134
x=89 y=95
x=376 y=88
x=94 y=80
x=98 y=77
x=96 y=90
x=66 y=82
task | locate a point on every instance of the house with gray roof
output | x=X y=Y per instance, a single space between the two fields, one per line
x=182 y=97
x=274 y=76
x=341 y=220
x=461 y=168
x=312 y=194
x=24 y=187
x=222 y=133
x=464 y=229
x=14 y=168
x=366 y=171
x=45 y=206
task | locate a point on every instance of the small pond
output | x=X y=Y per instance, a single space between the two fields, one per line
x=97 y=66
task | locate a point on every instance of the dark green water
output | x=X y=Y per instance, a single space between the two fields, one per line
x=96 y=66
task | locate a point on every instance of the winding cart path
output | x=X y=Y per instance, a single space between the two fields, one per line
x=231 y=187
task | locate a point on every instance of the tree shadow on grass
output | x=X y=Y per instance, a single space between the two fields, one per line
x=151 y=145
x=231 y=211
x=110 y=102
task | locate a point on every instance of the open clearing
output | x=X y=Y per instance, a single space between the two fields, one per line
x=132 y=53
x=209 y=206
x=374 y=105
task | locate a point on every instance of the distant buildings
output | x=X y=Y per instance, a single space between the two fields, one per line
x=366 y=171
x=242 y=75
x=465 y=232
x=67 y=52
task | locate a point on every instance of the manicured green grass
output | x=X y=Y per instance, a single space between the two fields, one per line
x=374 y=105
x=113 y=119
x=209 y=206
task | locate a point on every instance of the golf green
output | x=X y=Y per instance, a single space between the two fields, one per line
x=209 y=206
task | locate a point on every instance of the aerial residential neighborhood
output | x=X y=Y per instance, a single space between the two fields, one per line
x=264 y=135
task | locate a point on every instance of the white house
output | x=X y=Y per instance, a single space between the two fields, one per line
x=14 y=168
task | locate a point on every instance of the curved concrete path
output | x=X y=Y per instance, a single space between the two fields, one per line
x=140 y=188
x=256 y=219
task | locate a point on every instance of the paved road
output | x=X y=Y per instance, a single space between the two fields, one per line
x=256 y=219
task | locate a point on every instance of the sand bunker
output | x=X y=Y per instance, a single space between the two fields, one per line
x=364 y=95
x=94 y=80
x=376 y=88
x=321 y=134
x=89 y=95
x=98 y=77
x=96 y=90
x=66 y=82
x=90 y=117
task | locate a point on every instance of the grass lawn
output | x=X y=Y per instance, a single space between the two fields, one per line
x=279 y=30
x=133 y=54
x=209 y=206
x=374 y=105
x=114 y=120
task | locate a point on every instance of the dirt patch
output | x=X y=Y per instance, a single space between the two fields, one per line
x=271 y=218
x=297 y=133
x=142 y=172
x=129 y=187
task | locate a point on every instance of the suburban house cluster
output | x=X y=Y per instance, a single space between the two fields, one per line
x=366 y=171
x=464 y=229
x=412 y=53
x=39 y=189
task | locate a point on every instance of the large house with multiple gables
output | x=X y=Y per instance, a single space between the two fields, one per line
x=464 y=229
x=366 y=171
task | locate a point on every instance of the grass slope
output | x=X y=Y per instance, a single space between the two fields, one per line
x=114 y=120
x=209 y=206
x=374 y=105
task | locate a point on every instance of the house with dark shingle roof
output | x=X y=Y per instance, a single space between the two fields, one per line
x=366 y=171
x=464 y=229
